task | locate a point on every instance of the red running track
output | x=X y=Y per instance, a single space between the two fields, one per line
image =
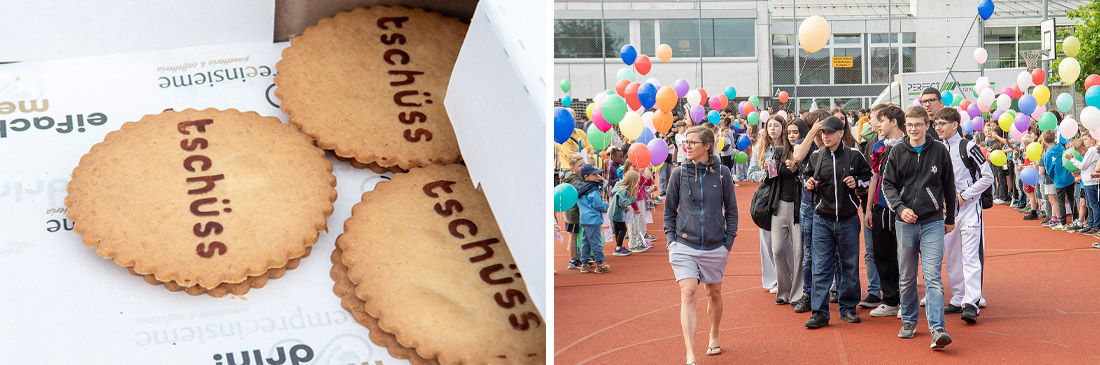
x=1041 y=287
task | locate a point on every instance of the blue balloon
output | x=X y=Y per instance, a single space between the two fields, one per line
x=743 y=142
x=566 y=101
x=1029 y=176
x=563 y=125
x=646 y=136
x=967 y=126
x=565 y=197
x=947 y=97
x=1092 y=96
x=985 y=9
x=1061 y=140
x=714 y=117
x=1027 y=103
x=628 y=54
x=731 y=92
x=647 y=95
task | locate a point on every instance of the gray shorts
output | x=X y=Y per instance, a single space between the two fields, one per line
x=1048 y=189
x=708 y=267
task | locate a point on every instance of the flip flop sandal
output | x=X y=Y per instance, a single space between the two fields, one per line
x=711 y=348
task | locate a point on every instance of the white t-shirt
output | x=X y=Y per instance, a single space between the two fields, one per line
x=681 y=156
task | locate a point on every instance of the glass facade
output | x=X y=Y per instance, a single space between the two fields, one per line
x=580 y=38
x=1003 y=44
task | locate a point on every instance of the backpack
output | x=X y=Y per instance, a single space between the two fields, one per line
x=976 y=173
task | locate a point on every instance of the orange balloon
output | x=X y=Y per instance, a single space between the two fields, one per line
x=783 y=97
x=620 y=87
x=664 y=52
x=662 y=120
x=725 y=101
x=666 y=99
x=703 y=93
x=749 y=108
x=631 y=96
x=639 y=155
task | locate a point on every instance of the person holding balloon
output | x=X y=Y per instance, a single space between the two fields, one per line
x=700 y=225
x=1063 y=182
x=1089 y=191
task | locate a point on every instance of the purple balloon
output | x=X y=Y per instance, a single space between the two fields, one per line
x=658 y=151
x=973 y=110
x=1023 y=121
x=646 y=136
x=997 y=115
x=978 y=123
x=681 y=86
x=1029 y=176
x=741 y=108
x=697 y=114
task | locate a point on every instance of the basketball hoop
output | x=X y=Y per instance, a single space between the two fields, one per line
x=1031 y=57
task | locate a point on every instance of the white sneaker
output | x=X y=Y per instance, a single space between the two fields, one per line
x=884 y=310
x=773 y=290
x=981 y=302
x=922 y=302
x=899 y=314
x=998 y=201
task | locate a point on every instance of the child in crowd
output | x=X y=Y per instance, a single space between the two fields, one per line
x=591 y=217
x=572 y=216
x=622 y=198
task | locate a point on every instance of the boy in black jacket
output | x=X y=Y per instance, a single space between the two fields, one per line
x=918 y=182
x=834 y=173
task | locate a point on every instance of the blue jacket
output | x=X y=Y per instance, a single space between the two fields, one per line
x=700 y=206
x=591 y=204
x=1053 y=161
x=620 y=201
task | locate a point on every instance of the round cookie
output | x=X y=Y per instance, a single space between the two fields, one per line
x=427 y=258
x=370 y=84
x=209 y=201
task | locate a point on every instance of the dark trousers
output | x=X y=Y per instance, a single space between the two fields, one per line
x=1000 y=186
x=620 y=232
x=830 y=237
x=886 y=252
x=1065 y=195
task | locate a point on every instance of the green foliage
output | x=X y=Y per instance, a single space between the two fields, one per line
x=1087 y=30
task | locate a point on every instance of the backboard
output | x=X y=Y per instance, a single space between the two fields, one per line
x=1046 y=34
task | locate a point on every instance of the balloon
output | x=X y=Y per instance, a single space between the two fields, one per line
x=647 y=121
x=1017 y=92
x=620 y=87
x=981 y=84
x=613 y=109
x=1091 y=80
x=646 y=136
x=658 y=151
x=1016 y=135
x=1070 y=46
x=642 y=64
x=681 y=86
x=714 y=103
x=1090 y=118
x=713 y=117
x=639 y=155
x=957 y=99
x=1041 y=93
x=740 y=157
x=1023 y=80
x=1068 y=162
x=997 y=157
x=653 y=80
x=753 y=118
x=997 y=115
x=697 y=114
x=1005 y=122
x=1069 y=69
x=965 y=104
x=1092 y=96
x=702 y=96
x=1034 y=151
x=566 y=101
x=598 y=138
x=631 y=125
x=1027 y=103
x=1007 y=90
x=755 y=101
x=647 y=95
x=947 y=97
x=724 y=101
x=666 y=98
x=598 y=99
x=566 y=85
x=1029 y=176
x=563 y=125
x=625 y=73
x=749 y=107
x=588 y=110
x=764 y=115
x=721 y=144
x=813 y=34
x=1047 y=121
x=1038 y=76
x=1004 y=102
x=631 y=95
x=664 y=52
x=1068 y=129
x=662 y=121
x=565 y=197
x=980 y=55
x=986 y=97
x=978 y=123
x=741 y=107
x=693 y=98
x=1023 y=122
x=985 y=10
x=782 y=113
x=973 y=111
x=598 y=121
x=967 y=126
x=783 y=97
x=743 y=142
x=628 y=54
x=731 y=92
x=1065 y=102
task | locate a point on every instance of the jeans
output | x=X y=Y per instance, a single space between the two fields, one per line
x=1092 y=201
x=806 y=221
x=591 y=242
x=869 y=260
x=830 y=237
x=662 y=178
x=740 y=171
x=922 y=242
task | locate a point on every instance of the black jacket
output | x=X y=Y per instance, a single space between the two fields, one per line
x=923 y=182
x=833 y=200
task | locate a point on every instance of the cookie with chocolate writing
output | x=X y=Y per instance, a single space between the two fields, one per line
x=205 y=201
x=427 y=259
x=370 y=83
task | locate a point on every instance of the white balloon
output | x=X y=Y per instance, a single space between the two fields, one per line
x=981 y=85
x=980 y=56
x=986 y=96
x=647 y=120
x=653 y=80
x=693 y=97
x=1090 y=118
x=782 y=113
x=1004 y=102
x=1024 y=80
x=764 y=115
x=599 y=98
x=1068 y=128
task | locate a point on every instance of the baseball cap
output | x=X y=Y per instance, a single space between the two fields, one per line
x=832 y=124
x=588 y=169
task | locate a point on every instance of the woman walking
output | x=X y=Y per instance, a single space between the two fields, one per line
x=786 y=238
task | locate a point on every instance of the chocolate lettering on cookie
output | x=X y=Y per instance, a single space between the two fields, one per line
x=208 y=252
x=388 y=57
x=484 y=245
x=510 y=298
x=410 y=96
x=453 y=227
x=192 y=144
x=410 y=77
x=196 y=207
x=211 y=227
x=487 y=275
x=397 y=22
x=396 y=38
x=412 y=136
x=410 y=118
x=200 y=125
x=449 y=207
x=399 y=97
x=446 y=185
x=200 y=207
x=523 y=323
x=188 y=163
x=209 y=180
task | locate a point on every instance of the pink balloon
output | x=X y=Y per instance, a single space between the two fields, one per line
x=1016 y=134
x=1008 y=90
x=1039 y=110
x=715 y=103
x=658 y=151
x=597 y=119
x=916 y=102
x=1095 y=134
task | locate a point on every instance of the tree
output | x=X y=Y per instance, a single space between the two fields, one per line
x=1087 y=29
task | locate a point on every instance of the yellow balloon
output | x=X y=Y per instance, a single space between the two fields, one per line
x=721 y=143
x=664 y=52
x=813 y=34
x=1069 y=69
x=1041 y=94
x=1005 y=122
x=588 y=110
x=1071 y=46
x=1034 y=151
x=997 y=157
x=631 y=125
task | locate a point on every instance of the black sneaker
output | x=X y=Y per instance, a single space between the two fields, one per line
x=940 y=338
x=803 y=305
x=850 y=317
x=870 y=301
x=818 y=320
x=952 y=309
x=834 y=297
x=970 y=313
x=1031 y=216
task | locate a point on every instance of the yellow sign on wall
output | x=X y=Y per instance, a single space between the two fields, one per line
x=842 y=62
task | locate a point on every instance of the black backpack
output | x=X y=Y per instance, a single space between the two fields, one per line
x=976 y=172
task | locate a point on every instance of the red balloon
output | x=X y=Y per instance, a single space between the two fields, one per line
x=1038 y=77
x=1093 y=79
x=620 y=87
x=631 y=97
x=639 y=155
x=725 y=101
x=1016 y=93
x=964 y=104
x=783 y=97
x=642 y=64
x=749 y=108
x=704 y=99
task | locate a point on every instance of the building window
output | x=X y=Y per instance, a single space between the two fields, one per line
x=720 y=37
x=909 y=59
x=783 y=66
x=849 y=75
x=648 y=44
x=782 y=40
x=909 y=37
x=882 y=69
x=580 y=38
x=1005 y=43
x=814 y=67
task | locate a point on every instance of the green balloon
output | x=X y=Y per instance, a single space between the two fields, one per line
x=755 y=101
x=1065 y=102
x=566 y=85
x=1067 y=163
x=957 y=100
x=1047 y=121
x=754 y=118
x=613 y=109
x=625 y=73
x=609 y=92
x=598 y=139
x=740 y=157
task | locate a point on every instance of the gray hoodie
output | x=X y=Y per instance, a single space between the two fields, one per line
x=694 y=202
